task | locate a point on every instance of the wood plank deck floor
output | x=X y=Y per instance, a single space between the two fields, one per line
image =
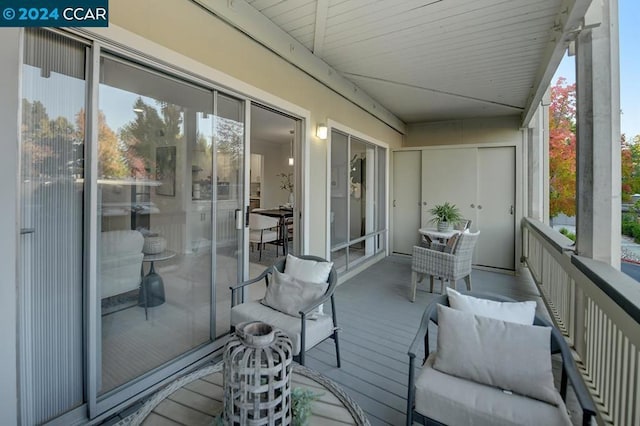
x=378 y=324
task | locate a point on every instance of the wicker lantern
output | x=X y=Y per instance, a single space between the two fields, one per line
x=257 y=376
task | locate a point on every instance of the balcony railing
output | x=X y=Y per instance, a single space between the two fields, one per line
x=598 y=309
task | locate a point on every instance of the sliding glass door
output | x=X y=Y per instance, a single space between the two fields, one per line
x=170 y=179
x=358 y=199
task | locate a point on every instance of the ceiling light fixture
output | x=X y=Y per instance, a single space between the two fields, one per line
x=322 y=131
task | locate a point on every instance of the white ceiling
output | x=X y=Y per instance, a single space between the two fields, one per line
x=427 y=60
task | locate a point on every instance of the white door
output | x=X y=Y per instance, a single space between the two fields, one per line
x=495 y=207
x=449 y=175
x=406 y=200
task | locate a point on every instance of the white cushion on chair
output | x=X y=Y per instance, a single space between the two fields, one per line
x=289 y=294
x=316 y=330
x=307 y=269
x=498 y=353
x=518 y=312
x=455 y=401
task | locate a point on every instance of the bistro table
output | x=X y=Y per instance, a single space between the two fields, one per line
x=198 y=397
x=441 y=236
x=282 y=215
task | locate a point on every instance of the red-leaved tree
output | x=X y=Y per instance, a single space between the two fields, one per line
x=562 y=149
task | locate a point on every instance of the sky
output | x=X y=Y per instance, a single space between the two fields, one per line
x=629 y=12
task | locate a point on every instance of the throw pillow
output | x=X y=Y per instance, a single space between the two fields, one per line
x=426 y=241
x=450 y=247
x=518 y=312
x=512 y=357
x=288 y=294
x=307 y=270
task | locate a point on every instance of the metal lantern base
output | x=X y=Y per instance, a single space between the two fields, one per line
x=257 y=376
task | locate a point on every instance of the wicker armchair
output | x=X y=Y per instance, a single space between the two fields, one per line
x=446 y=266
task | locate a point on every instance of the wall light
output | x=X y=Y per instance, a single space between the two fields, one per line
x=322 y=131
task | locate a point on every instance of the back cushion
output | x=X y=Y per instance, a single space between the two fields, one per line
x=288 y=294
x=509 y=356
x=307 y=270
x=518 y=312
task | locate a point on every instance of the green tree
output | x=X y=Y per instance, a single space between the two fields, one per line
x=51 y=148
x=111 y=161
x=630 y=159
x=150 y=128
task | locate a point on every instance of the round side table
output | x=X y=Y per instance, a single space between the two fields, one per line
x=152 y=286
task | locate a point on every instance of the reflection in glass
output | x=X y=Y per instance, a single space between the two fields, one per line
x=229 y=154
x=339 y=187
x=154 y=241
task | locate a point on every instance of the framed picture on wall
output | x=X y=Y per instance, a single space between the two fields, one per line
x=166 y=170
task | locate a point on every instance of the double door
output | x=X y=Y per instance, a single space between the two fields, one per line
x=479 y=181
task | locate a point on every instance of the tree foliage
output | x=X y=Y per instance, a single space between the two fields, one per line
x=562 y=149
x=148 y=130
x=630 y=159
x=562 y=153
x=51 y=148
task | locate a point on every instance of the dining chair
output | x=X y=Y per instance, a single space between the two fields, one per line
x=263 y=229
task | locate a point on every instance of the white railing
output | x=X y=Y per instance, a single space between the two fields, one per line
x=598 y=309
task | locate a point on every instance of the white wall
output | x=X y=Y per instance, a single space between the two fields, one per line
x=9 y=227
x=486 y=131
x=467 y=131
x=275 y=161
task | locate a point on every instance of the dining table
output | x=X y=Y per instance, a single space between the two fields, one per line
x=282 y=214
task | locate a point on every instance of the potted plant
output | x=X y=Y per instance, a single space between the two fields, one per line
x=445 y=216
x=286 y=183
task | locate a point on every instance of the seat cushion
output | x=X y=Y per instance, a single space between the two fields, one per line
x=455 y=401
x=316 y=330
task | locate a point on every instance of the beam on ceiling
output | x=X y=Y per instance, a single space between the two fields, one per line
x=568 y=22
x=250 y=21
x=322 y=11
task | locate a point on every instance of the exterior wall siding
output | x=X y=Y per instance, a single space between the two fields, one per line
x=463 y=132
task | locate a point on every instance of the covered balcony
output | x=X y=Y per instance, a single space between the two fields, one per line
x=449 y=100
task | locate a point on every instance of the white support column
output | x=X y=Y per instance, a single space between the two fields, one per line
x=538 y=164
x=598 y=136
x=9 y=232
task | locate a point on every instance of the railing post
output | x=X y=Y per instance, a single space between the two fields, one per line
x=579 y=326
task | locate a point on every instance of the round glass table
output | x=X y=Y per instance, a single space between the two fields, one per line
x=197 y=398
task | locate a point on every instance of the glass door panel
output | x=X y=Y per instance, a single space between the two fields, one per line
x=155 y=205
x=229 y=190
